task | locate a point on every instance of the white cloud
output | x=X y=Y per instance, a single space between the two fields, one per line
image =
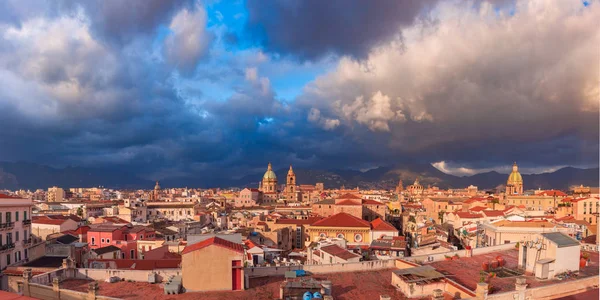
x=189 y=40
x=472 y=75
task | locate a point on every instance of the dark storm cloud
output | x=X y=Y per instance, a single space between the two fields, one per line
x=312 y=29
x=121 y=21
x=463 y=89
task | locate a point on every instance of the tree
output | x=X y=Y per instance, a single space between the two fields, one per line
x=441 y=216
x=80 y=211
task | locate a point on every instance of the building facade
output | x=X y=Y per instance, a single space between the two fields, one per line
x=15 y=230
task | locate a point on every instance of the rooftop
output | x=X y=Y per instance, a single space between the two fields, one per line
x=465 y=271
x=349 y=285
x=214 y=241
x=342 y=220
x=560 y=239
x=338 y=251
x=46 y=262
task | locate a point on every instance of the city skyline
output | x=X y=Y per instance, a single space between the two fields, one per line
x=181 y=88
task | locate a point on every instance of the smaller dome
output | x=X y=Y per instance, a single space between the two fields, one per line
x=157 y=186
x=269 y=174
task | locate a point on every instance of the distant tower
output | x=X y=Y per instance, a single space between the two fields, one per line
x=156 y=191
x=399 y=187
x=290 y=186
x=514 y=184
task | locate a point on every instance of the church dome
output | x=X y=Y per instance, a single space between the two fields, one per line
x=269 y=174
x=515 y=176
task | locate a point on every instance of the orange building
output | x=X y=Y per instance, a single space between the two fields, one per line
x=214 y=264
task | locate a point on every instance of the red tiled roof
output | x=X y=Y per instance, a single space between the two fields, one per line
x=467 y=215
x=214 y=241
x=553 y=193
x=5 y=196
x=338 y=251
x=493 y=213
x=250 y=244
x=478 y=208
x=47 y=221
x=348 y=196
x=371 y=202
x=307 y=221
x=381 y=225
x=347 y=202
x=342 y=220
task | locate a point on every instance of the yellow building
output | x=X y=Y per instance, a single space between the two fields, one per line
x=214 y=264
x=342 y=225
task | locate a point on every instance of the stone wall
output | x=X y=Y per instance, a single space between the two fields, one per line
x=322 y=269
x=552 y=291
x=162 y=275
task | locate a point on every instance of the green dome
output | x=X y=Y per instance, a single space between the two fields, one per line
x=269 y=174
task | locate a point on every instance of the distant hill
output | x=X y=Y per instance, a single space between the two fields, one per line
x=23 y=175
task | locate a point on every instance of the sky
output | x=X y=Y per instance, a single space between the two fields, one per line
x=201 y=88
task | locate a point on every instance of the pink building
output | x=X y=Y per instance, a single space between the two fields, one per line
x=248 y=198
x=123 y=237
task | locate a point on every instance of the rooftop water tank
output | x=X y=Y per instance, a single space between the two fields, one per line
x=307 y=296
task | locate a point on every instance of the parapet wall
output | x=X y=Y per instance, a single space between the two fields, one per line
x=322 y=269
x=552 y=291
x=461 y=253
x=162 y=275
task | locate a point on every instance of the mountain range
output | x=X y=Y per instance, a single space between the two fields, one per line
x=25 y=175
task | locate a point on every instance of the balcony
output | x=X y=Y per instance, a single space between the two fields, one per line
x=26 y=222
x=7 y=225
x=7 y=247
x=27 y=241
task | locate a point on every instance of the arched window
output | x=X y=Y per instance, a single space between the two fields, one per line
x=340 y=236
x=322 y=234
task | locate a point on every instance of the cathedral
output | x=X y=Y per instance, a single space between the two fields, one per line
x=514 y=184
x=268 y=185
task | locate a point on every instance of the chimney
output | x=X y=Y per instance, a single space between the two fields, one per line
x=438 y=294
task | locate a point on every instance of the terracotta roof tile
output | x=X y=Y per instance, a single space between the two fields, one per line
x=214 y=241
x=348 y=196
x=381 y=225
x=338 y=251
x=347 y=202
x=342 y=220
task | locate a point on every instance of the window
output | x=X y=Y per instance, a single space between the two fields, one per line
x=25 y=252
x=141 y=236
x=16 y=216
x=16 y=236
x=93 y=241
x=7 y=259
x=340 y=235
x=25 y=215
x=358 y=237
x=108 y=241
x=8 y=217
x=131 y=253
x=102 y=241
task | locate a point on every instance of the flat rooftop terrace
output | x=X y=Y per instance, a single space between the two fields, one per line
x=349 y=285
x=465 y=271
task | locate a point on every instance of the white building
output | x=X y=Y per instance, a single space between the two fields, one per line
x=549 y=254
